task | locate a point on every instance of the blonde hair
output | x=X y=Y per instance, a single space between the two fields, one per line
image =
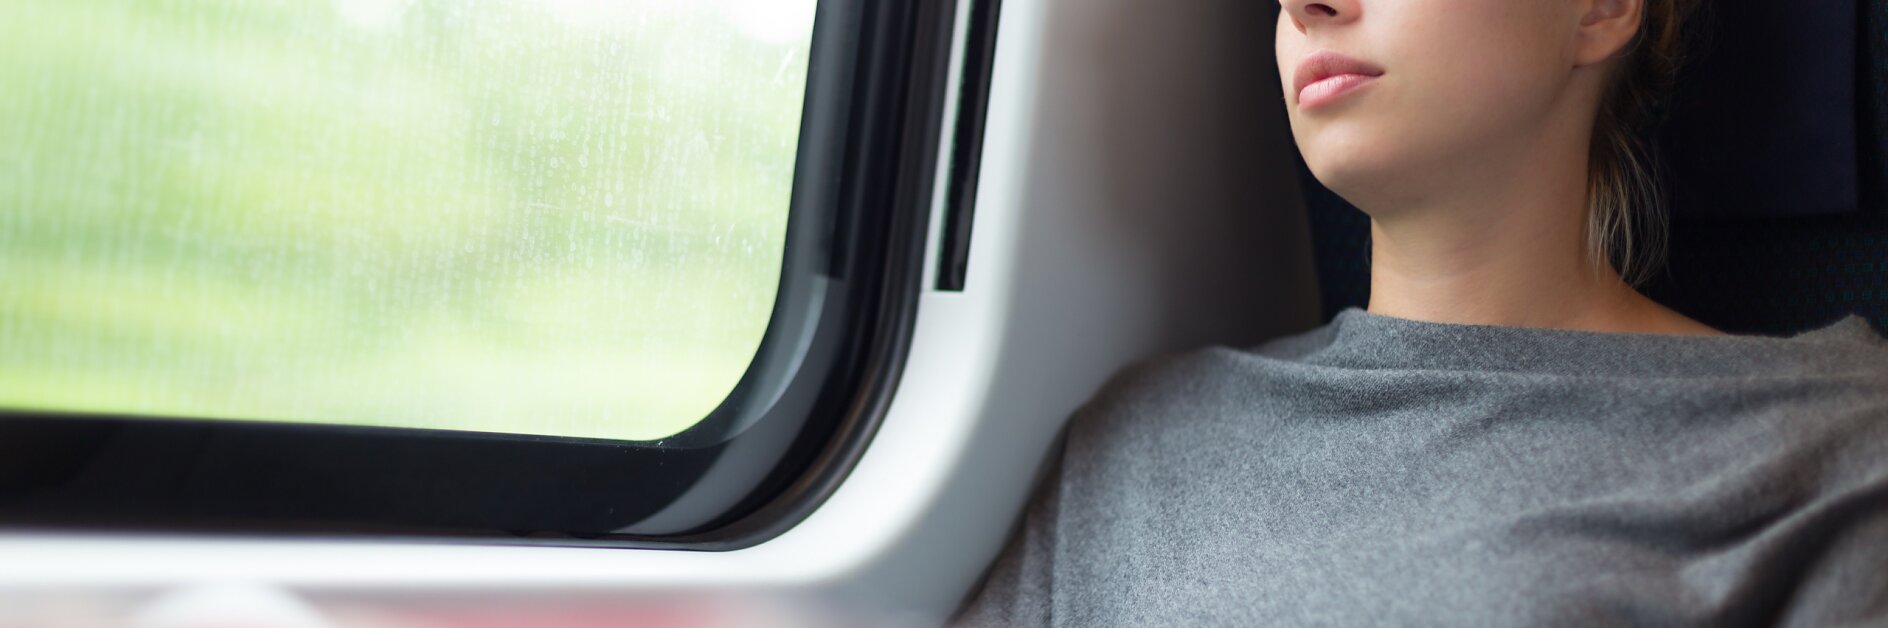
x=1625 y=208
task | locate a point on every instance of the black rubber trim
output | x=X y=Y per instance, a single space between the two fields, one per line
x=765 y=459
x=967 y=147
x=893 y=171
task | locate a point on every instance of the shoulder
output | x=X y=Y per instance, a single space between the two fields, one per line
x=1819 y=405
x=1175 y=402
x=1140 y=402
x=1851 y=345
x=1170 y=382
x=1159 y=391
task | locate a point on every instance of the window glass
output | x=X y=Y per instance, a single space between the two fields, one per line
x=531 y=216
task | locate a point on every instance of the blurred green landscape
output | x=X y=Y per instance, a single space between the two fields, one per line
x=553 y=217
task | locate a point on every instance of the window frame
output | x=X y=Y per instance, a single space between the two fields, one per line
x=775 y=448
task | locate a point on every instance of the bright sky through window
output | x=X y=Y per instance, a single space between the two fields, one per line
x=528 y=216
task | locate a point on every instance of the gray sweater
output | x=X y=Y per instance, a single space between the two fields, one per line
x=1384 y=471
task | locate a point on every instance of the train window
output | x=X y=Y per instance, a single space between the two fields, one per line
x=525 y=216
x=569 y=268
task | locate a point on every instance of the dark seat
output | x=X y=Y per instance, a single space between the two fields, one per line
x=1770 y=271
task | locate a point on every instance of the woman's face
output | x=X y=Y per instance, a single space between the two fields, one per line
x=1438 y=85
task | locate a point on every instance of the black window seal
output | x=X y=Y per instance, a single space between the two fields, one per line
x=960 y=207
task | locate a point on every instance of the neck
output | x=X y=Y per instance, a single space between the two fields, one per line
x=1496 y=269
x=1503 y=243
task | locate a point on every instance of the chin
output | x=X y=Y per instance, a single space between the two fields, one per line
x=1351 y=170
x=1342 y=148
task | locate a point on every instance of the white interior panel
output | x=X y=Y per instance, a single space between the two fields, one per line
x=1137 y=197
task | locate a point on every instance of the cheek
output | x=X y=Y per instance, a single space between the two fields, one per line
x=1483 y=80
x=1487 y=70
x=1455 y=86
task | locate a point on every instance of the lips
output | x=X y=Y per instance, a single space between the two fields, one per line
x=1328 y=75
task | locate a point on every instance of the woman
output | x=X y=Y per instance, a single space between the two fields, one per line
x=1510 y=433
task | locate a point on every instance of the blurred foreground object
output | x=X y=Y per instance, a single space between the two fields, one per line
x=247 y=605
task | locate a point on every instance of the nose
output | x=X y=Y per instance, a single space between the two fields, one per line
x=1307 y=14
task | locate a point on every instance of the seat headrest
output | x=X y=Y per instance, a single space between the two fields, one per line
x=1763 y=119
